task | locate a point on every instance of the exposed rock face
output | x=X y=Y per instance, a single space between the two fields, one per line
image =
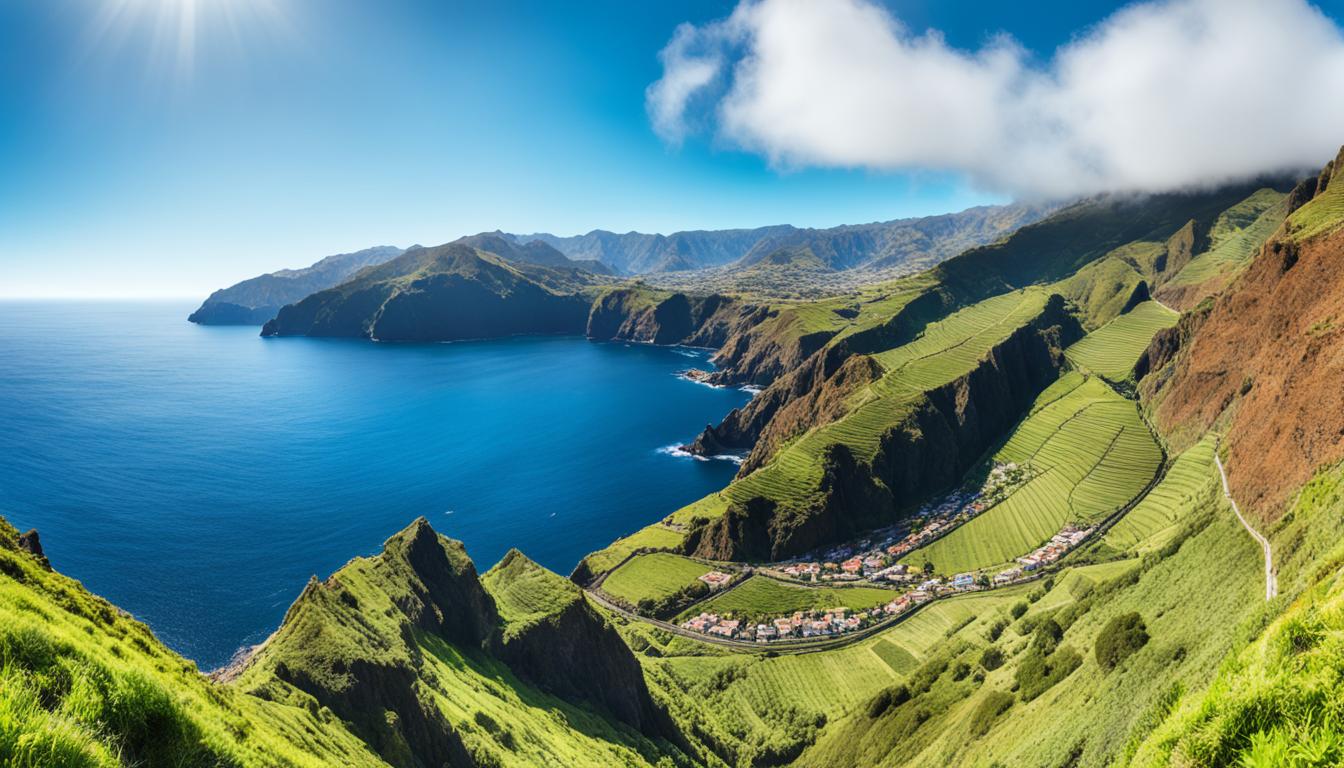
x=1270 y=344
x=31 y=543
x=944 y=436
x=633 y=314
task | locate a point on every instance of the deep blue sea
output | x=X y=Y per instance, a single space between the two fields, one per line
x=197 y=476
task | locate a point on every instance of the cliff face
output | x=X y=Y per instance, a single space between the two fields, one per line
x=1270 y=343
x=947 y=432
x=639 y=314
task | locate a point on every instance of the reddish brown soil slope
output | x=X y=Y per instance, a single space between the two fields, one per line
x=1271 y=351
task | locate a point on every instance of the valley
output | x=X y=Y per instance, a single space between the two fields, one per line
x=975 y=497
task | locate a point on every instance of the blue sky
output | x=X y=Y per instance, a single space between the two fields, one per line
x=132 y=168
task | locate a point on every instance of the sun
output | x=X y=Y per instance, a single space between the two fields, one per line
x=175 y=34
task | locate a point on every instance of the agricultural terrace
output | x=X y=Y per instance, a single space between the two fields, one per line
x=1157 y=519
x=763 y=597
x=654 y=576
x=1113 y=349
x=946 y=350
x=1089 y=454
x=1236 y=237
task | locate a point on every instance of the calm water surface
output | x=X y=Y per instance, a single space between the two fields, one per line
x=197 y=476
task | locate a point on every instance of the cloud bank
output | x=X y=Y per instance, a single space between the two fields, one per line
x=1159 y=96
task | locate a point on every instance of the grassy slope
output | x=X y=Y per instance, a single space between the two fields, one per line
x=83 y=684
x=499 y=717
x=1087 y=718
x=1090 y=453
x=653 y=576
x=1113 y=349
x=1277 y=702
x=761 y=596
x=755 y=704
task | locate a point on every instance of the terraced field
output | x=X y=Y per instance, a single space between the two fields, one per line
x=1090 y=454
x=761 y=596
x=1156 y=519
x=946 y=350
x=1113 y=349
x=654 y=576
x=1323 y=214
x=1236 y=237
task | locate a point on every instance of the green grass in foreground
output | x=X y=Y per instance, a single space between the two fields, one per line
x=760 y=597
x=1090 y=454
x=83 y=684
x=653 y=576
x=1113 y=349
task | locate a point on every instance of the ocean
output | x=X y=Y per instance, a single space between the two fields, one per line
x=197 y=476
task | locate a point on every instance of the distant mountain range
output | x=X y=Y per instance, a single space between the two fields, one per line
x=913 y=243
x=880 y=244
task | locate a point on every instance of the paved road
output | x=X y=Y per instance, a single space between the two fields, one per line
x=1271 y=580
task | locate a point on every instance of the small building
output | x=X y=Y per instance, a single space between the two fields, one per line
x=716 y=580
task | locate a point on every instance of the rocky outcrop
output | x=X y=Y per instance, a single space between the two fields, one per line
x=31 y=543
x=946 y=433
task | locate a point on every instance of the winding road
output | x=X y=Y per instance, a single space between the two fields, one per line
x=1271 y=580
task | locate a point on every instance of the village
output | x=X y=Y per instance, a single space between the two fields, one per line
x=874 y=557
x=841 y=620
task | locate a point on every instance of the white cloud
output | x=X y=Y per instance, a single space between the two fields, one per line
x=1160 y=95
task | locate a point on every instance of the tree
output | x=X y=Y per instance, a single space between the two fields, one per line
x=928 y=568
x=1120 y=638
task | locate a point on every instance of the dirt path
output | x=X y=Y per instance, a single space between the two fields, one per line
x=1271 y=580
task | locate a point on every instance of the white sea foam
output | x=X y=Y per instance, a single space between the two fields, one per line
x=680 y=452
x=751 y=389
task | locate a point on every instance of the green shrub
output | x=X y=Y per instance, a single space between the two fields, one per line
x=992 y=658
x=988 y=710
x=1119 y=639
x=1019 y=608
